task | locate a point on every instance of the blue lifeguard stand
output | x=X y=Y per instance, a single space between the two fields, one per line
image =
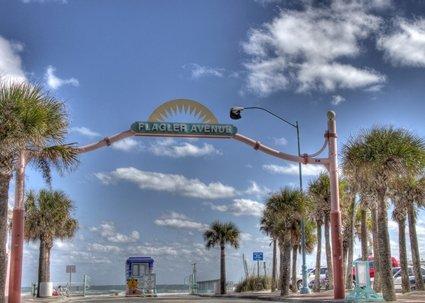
x=141 y=280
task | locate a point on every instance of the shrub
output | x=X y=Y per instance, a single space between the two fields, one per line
x=254 y=283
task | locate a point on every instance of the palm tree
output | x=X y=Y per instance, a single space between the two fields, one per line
x=310 y=237
x=415 y=196
x=317 y=215
x=319 y=190
x=399 y=215
x=348 y=208
x=30 y=121
x=48 y=217
x=376 y=158
x=363 y=226
x=286 y=209
x=220 y=234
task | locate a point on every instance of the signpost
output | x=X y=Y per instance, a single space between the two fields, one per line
x=181 y=129
x=70 y=269
x=257 y=256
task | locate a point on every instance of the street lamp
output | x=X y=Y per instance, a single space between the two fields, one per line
x=235 y=114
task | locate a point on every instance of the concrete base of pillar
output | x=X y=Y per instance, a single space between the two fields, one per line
x=46 y=289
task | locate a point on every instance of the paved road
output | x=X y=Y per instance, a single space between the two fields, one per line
x=177 y=299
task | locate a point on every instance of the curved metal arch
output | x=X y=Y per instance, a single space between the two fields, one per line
x=320 y=150
x=192 y=107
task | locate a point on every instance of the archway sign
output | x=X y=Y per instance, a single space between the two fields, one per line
x=157 y=125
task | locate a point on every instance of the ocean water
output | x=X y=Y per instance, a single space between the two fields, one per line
x=120 y=289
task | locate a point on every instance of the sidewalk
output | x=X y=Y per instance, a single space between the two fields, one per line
x=324 y=296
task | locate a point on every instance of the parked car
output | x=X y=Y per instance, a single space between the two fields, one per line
x=396 y=271
x=310 y=278
x=394 y=263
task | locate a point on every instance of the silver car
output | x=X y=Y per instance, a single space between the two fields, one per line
x=396 y=271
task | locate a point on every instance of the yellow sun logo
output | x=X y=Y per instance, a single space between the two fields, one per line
x=191 y=107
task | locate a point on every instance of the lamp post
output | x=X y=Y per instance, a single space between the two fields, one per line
x=235 y=113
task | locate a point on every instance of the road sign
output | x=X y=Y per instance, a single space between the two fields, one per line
x=257 y=256
x=181 y=129
x=71 y=269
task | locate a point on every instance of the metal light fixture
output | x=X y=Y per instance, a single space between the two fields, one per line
x=235 y=112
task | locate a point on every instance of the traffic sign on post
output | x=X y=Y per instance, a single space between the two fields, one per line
x=257 y=256
x=71 y=269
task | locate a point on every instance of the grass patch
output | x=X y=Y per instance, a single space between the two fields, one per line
x=254 y=284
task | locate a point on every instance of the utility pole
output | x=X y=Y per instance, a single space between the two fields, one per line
x=339 y=287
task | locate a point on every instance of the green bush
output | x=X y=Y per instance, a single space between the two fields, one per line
x=254 y=283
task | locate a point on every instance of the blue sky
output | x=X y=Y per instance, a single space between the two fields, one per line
x=114 y=62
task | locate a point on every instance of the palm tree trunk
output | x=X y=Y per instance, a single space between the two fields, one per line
x=349 y=272
x=43 y=263
x=294 y=269
x=350 y=240
x=344 y=255
x=273 y=287
x=285 y=268
x=414 y=246
x=318 y=257
x=376 y=257
x=363 y=233
x=4 y=198
x=328 y=253
x=385 y=250
x=405 y=287
x=222 y=270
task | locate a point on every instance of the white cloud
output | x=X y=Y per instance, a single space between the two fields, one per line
x=332 y=76
x=82 y=130
x=179 y=221
x=280 y=141
x=240 y=207
x=63 y=245
x=88 y=257
x=96 y=247
x=198 y=71
x=157 y=250
x=257 y=190
x=108 y=231
x=172 y=183
x=266 y=76
x=246 y=236
x=405 y=45
x=10 y=61
x=266 y=2
x=301 y=47
x=337 y=99
x=127 y=144
x=55 y=82
x=292 y=169
x=45 y=1
x=171 y=148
